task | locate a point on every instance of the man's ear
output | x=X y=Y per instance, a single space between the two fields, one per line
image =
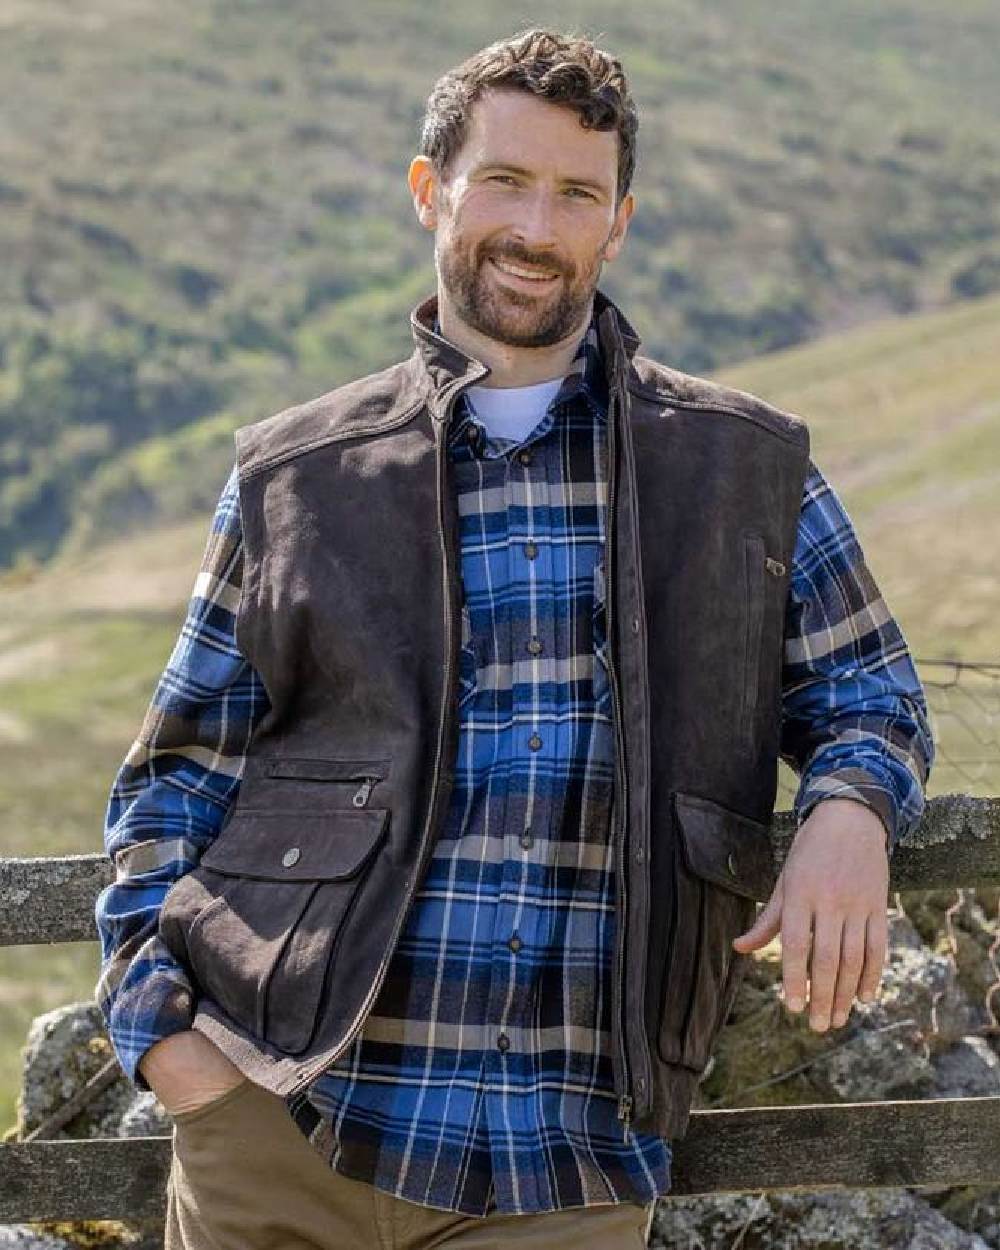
x=423 y=182
x=616 y=240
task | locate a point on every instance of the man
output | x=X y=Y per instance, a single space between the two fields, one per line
x=439 y=847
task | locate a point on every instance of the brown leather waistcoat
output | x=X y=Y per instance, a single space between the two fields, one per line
x=350 y=613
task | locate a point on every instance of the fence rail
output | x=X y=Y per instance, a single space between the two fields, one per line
x=948 y=1141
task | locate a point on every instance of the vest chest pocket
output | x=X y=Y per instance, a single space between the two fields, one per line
x=289 y=782
x=764 y=587
x=258 y=921
x=723 y=864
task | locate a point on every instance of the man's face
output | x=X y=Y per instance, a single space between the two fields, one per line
x=525 y=218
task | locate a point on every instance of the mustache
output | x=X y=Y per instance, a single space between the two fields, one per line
x=522 y=256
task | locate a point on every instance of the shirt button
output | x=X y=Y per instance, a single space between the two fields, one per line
x=291 y=857
x=515 y=943
x=527 y=839
x=535 y=646
x=525 y=456
x=531 y=550
x=503 y=1042
x=472 y=435
x=534 y=742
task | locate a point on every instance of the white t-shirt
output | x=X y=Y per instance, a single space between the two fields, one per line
x=511 y=411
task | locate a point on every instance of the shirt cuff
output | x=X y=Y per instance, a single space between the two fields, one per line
x=157 y=1009
x=855 y=784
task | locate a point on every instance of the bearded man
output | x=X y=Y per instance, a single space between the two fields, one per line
x=440 y=845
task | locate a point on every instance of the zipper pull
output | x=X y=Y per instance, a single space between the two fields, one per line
x=625 y=1114
x=361 y=798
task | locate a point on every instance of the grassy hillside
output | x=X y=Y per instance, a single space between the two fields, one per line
x=905 y=421
x=203 y=215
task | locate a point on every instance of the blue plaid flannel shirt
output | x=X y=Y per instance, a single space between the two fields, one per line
x=482 y=1078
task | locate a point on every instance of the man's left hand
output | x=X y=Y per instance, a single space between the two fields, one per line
x=831 y=898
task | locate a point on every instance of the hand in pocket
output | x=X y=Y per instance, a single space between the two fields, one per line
x=186 y=1072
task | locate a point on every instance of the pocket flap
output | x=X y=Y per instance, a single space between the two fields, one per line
x=725 y=847
x=296 y=845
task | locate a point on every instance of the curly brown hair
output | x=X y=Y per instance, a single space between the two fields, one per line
x=566 y=69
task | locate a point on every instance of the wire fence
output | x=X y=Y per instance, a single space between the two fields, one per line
x=963 y=701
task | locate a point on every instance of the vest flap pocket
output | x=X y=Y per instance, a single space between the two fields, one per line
x=297 y=845
x=725 y=847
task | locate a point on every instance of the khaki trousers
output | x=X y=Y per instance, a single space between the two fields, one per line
x=243 y=1177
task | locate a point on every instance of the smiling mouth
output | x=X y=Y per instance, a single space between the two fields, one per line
x=540 y=277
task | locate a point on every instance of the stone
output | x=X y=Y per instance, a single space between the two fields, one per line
x=145 y=1118
x=23 y=1237
x=65 y=1048
x=969 y=1069
x=875 y=1219
x=974 y=1208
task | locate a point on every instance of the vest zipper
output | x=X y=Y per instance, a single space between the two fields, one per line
x=330 y=1056
x=621 y=886
x=362 y=796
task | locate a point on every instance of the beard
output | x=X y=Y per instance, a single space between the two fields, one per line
x=517 y=318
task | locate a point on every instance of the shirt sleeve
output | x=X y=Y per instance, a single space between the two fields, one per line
x=854 y=713
x=170 y=797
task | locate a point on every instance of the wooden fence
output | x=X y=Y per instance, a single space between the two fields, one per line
x=948 y=1141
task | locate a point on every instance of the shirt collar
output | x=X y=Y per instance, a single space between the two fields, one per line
x=585 y=380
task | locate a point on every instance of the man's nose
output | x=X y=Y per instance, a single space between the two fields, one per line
x=535 y=224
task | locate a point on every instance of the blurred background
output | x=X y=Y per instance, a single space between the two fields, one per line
x=204 y=219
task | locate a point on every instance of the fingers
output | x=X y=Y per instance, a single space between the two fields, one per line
x=763 y=929
x=877 y=937
x=852 y=958
x=824 y=966
x=844 y=957
x=796 y=926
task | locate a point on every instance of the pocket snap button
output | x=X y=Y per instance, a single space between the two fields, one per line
x=291 y=857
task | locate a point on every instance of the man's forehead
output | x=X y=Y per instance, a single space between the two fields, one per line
x=494 y=135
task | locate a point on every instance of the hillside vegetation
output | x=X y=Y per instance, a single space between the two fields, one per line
x=203 y=214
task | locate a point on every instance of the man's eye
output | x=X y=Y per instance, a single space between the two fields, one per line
x=579 y=191
x=508 y=178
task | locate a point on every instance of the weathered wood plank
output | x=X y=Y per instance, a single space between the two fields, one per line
x=948 y=1141
x=90 y=1179
x=945 y=1141
x=51 y=899
x=957 y=843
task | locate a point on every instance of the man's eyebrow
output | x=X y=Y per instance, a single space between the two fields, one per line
x=507 y=167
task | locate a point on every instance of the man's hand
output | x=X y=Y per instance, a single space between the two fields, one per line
x=831 y=895
x=186 y=1070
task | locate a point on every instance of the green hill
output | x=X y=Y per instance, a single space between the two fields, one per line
x=203 y=215
x=905 y=420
